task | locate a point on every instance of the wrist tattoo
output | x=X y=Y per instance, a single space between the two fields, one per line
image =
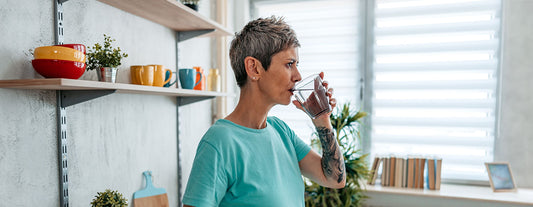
x=332 y=159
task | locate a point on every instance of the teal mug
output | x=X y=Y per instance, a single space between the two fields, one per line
x=167 y=75
x=187 y=78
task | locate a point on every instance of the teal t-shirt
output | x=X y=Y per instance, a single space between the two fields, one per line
x=239 y=166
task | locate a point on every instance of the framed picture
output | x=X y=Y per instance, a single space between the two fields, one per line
x=500 y=176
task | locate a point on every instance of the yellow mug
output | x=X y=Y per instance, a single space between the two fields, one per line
x=145 y=75
x=134 y=70
x=159 y=75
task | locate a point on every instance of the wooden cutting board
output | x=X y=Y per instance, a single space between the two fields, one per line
x=150 y=196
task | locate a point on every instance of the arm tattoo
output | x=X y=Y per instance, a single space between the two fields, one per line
x=332 y=158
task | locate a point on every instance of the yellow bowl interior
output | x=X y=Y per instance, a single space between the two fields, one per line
x=58 y=53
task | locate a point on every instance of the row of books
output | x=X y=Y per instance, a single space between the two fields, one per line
x=407 y=172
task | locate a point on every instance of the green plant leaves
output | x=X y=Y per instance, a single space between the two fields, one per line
x=109 y=199
x=346 y=124
x=106 y=56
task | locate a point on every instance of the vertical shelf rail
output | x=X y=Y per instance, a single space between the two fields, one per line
x=178 y=122
x=179 y=152
x=61 y=115
x=62 y=151
x=58 y=20
x=180 y=37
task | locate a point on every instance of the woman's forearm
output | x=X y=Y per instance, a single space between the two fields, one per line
x=332 y=159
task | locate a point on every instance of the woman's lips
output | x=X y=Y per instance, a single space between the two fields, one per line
x=292 y=91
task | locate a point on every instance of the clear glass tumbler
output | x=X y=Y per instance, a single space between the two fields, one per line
x=312 y=95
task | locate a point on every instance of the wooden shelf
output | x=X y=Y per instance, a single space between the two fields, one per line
x=72 y=84
x=170 y=13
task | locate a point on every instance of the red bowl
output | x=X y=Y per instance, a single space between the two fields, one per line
x=79 y=47
x=59 y=68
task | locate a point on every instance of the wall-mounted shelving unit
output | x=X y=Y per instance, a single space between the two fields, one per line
x=83 y=90
x=187 y=24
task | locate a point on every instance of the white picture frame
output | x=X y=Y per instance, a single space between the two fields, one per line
x=500 y=176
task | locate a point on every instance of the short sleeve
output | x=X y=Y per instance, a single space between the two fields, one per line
x=207 y=182
x=300 y=147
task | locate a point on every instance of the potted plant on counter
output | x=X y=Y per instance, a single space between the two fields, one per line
x=105 y=59
x=109 y=198
x=346 y=124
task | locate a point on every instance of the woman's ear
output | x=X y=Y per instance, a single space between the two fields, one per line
x=253 y=67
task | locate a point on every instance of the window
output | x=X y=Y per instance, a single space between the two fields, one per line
x=431 y=69
x=328 y=34
x=434 y=81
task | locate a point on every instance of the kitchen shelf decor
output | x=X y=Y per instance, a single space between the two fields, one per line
x=85 y=87
x=187 y=24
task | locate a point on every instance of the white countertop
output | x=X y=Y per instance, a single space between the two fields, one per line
x=483 y=193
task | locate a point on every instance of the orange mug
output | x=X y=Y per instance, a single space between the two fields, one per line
x=134 y=69
x=145 y=75
x=160 y=75
x=200 y=77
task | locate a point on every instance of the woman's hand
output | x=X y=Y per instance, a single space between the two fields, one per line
x=322 y=120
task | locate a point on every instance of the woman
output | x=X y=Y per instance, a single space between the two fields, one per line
x=248 y=158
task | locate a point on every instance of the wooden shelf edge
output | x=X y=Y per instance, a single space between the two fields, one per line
x=171 y=14
x=72 y=84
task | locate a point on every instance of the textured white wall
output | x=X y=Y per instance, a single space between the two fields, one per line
x=111 y=139
x=515 y=140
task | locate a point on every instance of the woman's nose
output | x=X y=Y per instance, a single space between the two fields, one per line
x=297 y=77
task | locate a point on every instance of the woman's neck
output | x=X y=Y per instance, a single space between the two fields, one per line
x=251 y=111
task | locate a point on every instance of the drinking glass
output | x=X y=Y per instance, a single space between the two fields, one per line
x=311 y=94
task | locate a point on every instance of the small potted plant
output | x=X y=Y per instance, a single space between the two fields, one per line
x=193 y=4
x=105 y=59
x=109 y=198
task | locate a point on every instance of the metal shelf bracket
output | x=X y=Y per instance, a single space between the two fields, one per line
x=73 y=97
x=185 y=35
x=182 y=101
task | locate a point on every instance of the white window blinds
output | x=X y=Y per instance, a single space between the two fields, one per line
x=328 y=34
x=434 y=87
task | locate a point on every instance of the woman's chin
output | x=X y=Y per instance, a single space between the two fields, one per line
x=285 y=103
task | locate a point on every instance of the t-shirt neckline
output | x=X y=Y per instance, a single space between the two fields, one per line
x=245 y=128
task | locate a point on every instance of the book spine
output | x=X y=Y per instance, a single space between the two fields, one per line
x=405 y=173
x=392 y=171
x=410 y=172
x=431 y=174
x=417 y=173
x=387 y=171
x=437 y=174
x=399 y=174
x=384 y=172
x=422 y=172
x=373 y=171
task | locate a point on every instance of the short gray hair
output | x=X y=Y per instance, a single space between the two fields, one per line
x=261 y=38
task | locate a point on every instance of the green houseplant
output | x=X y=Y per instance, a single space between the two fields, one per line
x=109 y=198
x=346 y=124
x=105 y=59
x=193 y=4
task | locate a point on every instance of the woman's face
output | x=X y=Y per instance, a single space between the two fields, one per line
x=278 y=81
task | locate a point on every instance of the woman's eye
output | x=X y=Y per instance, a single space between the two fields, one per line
x=290 y=64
